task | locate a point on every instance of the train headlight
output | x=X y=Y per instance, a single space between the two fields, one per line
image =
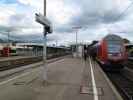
x=118 y=54
x=110 y=54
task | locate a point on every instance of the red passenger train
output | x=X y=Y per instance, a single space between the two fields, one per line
x=110 y=52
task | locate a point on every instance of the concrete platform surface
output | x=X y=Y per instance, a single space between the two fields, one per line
x=68 y=79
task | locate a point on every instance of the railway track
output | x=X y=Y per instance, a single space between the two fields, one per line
x=129 y=63
x=10 y=64
x=123 y=84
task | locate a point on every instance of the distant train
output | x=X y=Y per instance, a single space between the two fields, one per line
x=32 y=50
x=110 y=52
x=6 y=51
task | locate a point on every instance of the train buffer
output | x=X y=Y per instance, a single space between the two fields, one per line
x=68 y=79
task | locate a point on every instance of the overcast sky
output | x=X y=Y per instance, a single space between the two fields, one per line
x=96 y=17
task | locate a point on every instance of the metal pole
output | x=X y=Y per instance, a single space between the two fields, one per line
x=8 y=38
x=44 y=58
x=56 y=43
x=44 y=7
x=76 y=43
x=44 y=49
x=8 y=45
x=76 y=28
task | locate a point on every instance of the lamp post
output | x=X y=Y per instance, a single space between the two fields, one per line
x=76 y=37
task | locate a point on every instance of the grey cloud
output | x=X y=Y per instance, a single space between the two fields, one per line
x=92 y=19
x=7 y=28
x=85 y=19
x=93 y=13
x=16 y=20
x=112 y=16
x=22 y=20
x=38 y=37
x=64 y=28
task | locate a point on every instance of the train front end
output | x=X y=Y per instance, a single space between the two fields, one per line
x=115 y=52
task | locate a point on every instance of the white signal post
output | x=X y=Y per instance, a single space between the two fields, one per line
x=47 y=28
x=76 y=29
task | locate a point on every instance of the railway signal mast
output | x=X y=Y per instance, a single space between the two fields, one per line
x=47 y=28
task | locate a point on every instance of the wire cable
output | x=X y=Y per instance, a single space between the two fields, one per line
x=125 y=11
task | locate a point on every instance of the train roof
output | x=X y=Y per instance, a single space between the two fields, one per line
x=112 y=37
x=94 y=42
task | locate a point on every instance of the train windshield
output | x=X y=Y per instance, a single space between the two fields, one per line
x=114 y=46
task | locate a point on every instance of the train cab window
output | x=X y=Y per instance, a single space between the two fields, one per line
x=114 y=46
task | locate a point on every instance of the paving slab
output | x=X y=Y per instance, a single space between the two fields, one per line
x=66 y=79
x=108 y=90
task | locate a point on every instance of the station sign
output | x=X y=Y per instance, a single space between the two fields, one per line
x=44 y=21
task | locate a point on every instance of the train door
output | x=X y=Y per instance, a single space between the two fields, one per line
x=103 y=50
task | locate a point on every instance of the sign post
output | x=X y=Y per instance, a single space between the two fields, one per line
x=47 y=28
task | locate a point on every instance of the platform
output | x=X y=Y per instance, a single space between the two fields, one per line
x=68 y=79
